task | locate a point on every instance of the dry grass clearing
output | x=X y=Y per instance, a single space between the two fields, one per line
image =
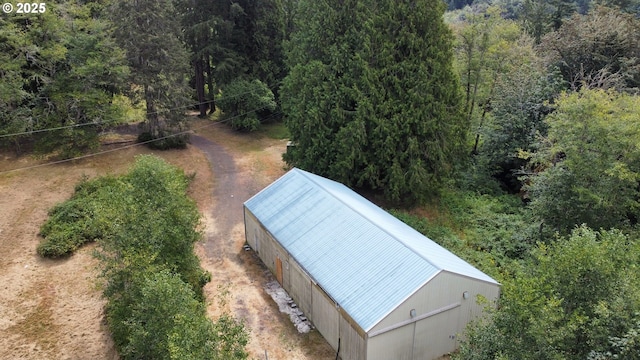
x=53 y=309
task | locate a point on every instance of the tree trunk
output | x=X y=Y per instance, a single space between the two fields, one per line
x=199 y=74
x=212 y=93
x=485 y=109
x=153 y=125
x=477 y=140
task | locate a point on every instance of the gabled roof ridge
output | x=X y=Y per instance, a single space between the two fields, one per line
x=390 y=217
x=392 y=220
x=387 y=259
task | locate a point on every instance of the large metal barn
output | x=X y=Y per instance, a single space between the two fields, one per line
x=373 y=287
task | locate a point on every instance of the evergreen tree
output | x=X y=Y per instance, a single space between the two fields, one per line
x=244 y=102
x=234 y=41
x=200 y=25
x=246 y=39
x=150 y=31
x=372 y=99
x=58 y=69
x=541 y=16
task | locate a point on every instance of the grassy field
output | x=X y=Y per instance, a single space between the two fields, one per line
x=53 y=309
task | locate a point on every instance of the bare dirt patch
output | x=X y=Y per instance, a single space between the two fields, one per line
x=53 y=309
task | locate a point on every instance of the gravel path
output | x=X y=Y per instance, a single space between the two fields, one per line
x=231 y=189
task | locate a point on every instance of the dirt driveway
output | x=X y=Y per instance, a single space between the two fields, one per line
x=53 y=309
x=231 y=189
x=241 y=168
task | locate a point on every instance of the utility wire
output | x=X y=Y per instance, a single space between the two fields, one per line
x=130 y=146
x=95 y=122
x=110 y=121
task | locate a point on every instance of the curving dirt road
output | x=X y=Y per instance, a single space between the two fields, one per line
x=241 y=166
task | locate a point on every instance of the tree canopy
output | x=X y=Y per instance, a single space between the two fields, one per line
x=233 y=41
x=372 y=99
x=151 y=36
x=591 y=159
x=59 y=69
x=379 y=95
x=574 y=299
x=597 y=50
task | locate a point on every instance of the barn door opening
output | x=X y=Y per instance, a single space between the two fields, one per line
x=279 y=270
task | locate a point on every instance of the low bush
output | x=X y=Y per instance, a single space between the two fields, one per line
x=576 y=298
x=78 y=220
x=490 y=232
x=167 y=322
x=243 y=102
x=147 y=227
x=164 y=141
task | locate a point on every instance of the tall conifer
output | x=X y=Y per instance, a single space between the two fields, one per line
x=150 y=33
x=372 y=99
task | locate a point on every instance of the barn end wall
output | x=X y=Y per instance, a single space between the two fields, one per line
x=441 y=315
x=334 y=325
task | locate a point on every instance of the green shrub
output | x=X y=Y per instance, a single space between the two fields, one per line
x=243 y=102
x=164 y=141
x=167 y=322
x=490 y=232
x=147 y=227
x=577 y=298
x=62 y=241
x=161 y=223
x=78 y=220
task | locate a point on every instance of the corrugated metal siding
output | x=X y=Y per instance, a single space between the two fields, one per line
x=424 y=339
x=286 y=268
x=352 y=343
x=325 y=316
x=394 y=345
x=435 y=336
x=442 y=292
x=300 y=288
x=364 y=258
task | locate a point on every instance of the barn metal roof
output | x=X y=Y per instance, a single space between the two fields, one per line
x=368 y=261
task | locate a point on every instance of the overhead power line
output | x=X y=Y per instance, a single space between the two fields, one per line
x=31 y=132
x=129 y=146
x=93 y=123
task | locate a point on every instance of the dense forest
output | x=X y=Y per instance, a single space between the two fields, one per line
x=506 y=130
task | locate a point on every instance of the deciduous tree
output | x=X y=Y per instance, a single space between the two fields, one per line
x=568 y=302
x=591 y=163
x=485 y=49
x=598 y=50
x=523 y=97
